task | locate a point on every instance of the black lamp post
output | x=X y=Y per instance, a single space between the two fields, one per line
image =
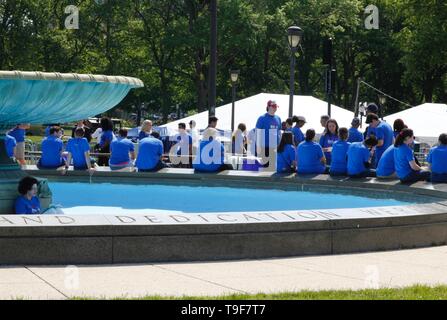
x=234 y=75
x=294 y=35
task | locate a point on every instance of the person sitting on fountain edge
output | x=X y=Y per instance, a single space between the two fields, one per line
x=211 y=154
x=310 y=156
x=360 y=157
x=52 y=148
x=437 y=160
x=122 y=152
x=150 y=153
x=339 y=164
x=286 y=155
x=78 y=149
x=27 y=202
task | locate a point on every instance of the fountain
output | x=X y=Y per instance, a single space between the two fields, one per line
x=39 y=97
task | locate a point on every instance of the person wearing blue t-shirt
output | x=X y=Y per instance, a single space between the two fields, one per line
x=146 y=130
x=286 y=156
x=268 y=128
x=289 y=125
x=78 y=150
x=386 y=167
x=150 y=153
x=359 y=158
x=122 y=152
x=406 y=167
x=310 y=156
x=19 y=133
x=182 y=148
x=27 y=202
x=10 y=145
x=298 y=135
x=398 y=126
x=52 y=148
x=354 y=135
x=437 y=159
x=107 y=136
x=329 y=137
x=383 y=133
x=339 y=164
x=211 y=154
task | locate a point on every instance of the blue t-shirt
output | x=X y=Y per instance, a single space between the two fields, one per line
x=285 y=158
x=150 y=150
x=383 y=132
x=51 y=152
x=309 y=156
x=402 y=157
x=438 y=159
x=339 y=162
x=298 y=135
x=271 y=125
x=18 y=134
x=25 y=206
x=10 y=144
x=120 y=149
x=355 y=135
x=78 y=147
x=210 y=156
x=326 y=141
x=183 y=141
x=106 y=136
x=385 y=167
x=358 y=154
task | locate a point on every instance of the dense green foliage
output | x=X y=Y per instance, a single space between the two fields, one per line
x=166 y=44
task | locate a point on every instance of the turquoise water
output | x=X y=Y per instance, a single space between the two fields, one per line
x=191 y=199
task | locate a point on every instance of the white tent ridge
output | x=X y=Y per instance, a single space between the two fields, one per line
x=427 y=121
x=248 y=111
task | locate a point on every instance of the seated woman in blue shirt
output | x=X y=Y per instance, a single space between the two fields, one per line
x=27 y=202
x=310 y=157
x=339 y=164
x=406 y=167
x=437 y=159
x=211 y=154
x=386 y=168
x=329 y=137
x=286 y=156
x=360 y=157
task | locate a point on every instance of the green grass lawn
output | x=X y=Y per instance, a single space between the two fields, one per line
x=418 y=292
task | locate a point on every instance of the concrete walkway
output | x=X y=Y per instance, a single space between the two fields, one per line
x=353 y=271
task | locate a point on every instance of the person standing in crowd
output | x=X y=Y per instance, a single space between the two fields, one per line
x=268 y=132
x=87 y=130
x=122 y=152
x=107 y=136
x=372 y=108
x=289 y=125
x=150 y=155
x=298 y=135
x=251 y=142
x=10 y=145
x=78 y=150
x=52 y=148
x=437 y=159
x=359 y=158
x=329 y=138
x=385 y=168
x=19 y=132
x=146 y=131
x=211 y=154
x=286 y=162
x=97 y=135
x=354 y=134
x=339 y=164
x=406 y=167
x=383 y=133
x=323 y=121
x=310 y=156
x=239 y=140
x=183 y=146
x=195 y=135
x=27 y=202
x=398 y=126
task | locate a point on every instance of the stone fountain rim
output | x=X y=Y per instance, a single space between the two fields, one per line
x=70 y=77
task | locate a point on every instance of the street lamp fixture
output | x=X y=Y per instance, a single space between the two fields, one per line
x=234 y=75
x=294 y=36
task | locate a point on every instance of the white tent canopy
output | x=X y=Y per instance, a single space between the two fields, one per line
x=249 y=109
x=427 y=121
